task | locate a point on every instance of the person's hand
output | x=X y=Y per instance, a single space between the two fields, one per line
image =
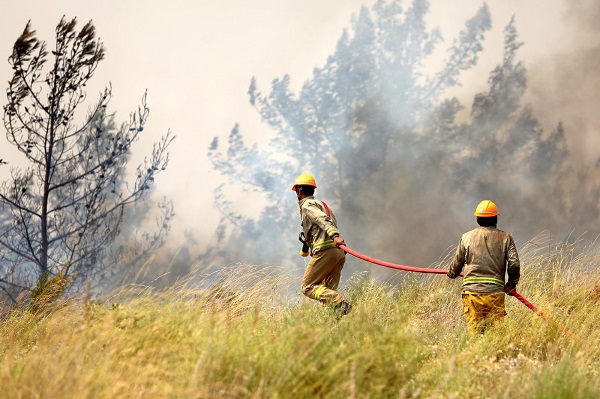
x=510 y=286
x=339 y=241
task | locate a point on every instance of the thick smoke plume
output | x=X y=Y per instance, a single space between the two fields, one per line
x=390 y=155
x=567 y=85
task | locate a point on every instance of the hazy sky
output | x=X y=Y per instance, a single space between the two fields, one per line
x=196 y=58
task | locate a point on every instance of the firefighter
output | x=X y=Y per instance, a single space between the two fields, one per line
x=319 y=229
x=487 y=256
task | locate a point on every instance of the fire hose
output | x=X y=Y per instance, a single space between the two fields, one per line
x=507 y=289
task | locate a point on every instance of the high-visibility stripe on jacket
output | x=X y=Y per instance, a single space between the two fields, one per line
x=318 y=223
x=483 y=280
x=487 y=256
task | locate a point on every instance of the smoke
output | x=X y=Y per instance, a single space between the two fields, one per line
x=566 y=84
x=583 y=13
x=549 y=173
x=403 y=183
x=401 y=170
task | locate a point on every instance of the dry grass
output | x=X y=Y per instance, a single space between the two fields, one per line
x=248 y=333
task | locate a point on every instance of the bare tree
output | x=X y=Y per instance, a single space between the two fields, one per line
x=65 y=209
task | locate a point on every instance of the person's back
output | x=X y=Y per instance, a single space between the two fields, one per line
x=487 y=252
x=485 y=255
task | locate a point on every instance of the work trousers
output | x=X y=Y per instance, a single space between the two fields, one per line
x=322 y=276
x=483 y=309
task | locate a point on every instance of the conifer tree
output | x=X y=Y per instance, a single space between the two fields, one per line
x=65 y=208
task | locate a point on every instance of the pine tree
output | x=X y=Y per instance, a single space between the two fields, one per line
x=65 y=209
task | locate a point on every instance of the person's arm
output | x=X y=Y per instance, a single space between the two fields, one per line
x=513 y=268
x=458 y=262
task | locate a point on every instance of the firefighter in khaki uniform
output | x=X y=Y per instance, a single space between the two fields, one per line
x=324 y=269
x=487 y=255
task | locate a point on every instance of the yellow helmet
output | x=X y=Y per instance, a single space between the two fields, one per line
x=486 y=209
x=304 y=180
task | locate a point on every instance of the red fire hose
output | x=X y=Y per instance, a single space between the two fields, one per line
x=442 y=271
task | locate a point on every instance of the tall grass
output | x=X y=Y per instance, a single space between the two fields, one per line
x=242 y=336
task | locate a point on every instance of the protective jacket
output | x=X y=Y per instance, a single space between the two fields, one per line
x=319 y=227
x=487 y=255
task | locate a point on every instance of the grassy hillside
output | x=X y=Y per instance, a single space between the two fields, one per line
x=244 y=338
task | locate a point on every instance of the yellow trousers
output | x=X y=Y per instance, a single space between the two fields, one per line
x=322 y=276
x=483 y=309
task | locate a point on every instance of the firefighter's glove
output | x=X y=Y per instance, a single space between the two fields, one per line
x=304 y=250
x=510 y=286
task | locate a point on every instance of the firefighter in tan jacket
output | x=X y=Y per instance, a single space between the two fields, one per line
x=487 y=256
x=322 y=237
